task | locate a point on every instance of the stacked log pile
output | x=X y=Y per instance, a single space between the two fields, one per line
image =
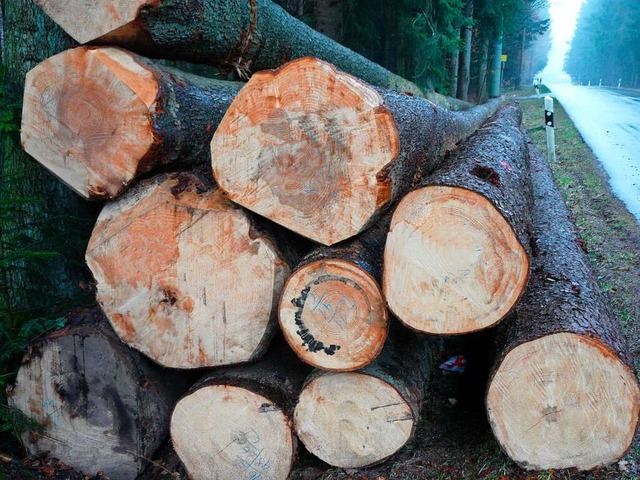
x=317 y=199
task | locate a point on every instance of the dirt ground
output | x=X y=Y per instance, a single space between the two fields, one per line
x=454 y=441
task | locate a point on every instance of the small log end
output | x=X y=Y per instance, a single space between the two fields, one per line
x=333 y=315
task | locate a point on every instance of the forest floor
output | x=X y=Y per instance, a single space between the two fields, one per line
x=454 y=440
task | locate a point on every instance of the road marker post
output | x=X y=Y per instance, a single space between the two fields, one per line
x=549 y=127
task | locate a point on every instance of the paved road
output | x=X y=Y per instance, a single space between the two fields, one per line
x=609 y=121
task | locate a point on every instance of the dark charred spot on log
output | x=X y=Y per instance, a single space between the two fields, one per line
x=34 y=351
x=169 y=297
x=550 y=414
x=286 y=54
x=308 y=340
x=74 y=392
x=126 y=424
x=177 y=81
x=487 y=174
x=576 y=289
x=181 y=186
x=533 y=245
x=268 y=407
x=582 y=245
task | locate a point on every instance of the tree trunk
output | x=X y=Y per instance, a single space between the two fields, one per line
x=521 y=59
x=328 y=14
x=358 y=419
x=37 y=214
x=465 y=55
x=563 y=393
x=237 y=422
x=324 y=154
x=453 y=67
x=100 y=117
x=483 y=70
x=184 y=275
x=457 y=254
x=101 y=405
x=242 y=35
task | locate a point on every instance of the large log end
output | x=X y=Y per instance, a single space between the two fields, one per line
x=87 y=21
x=452 y=263
x=563 y=401
x=306 y=146
x=97 y=407
x=183 y=276
x=86 y=117
x=223 y=431
x=333 y=315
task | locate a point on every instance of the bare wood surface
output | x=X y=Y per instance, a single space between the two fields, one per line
x=184 y=275
x=100 y=117
x=324 y=154
x=457 y=254
x=562 y=393
x=236 y=421
x=101 y=405
x=358 y=419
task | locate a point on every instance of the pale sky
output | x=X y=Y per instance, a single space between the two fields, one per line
x=564 y=15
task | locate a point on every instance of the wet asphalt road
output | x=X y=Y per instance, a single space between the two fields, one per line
x=609 y=121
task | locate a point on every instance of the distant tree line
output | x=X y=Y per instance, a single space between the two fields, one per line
x=606 y=44
x=443 y=45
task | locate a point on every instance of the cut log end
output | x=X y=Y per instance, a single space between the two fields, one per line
x=452 y=263
x=563 y=401
x=306 y=146
x=224 y=431
x=94 y=405
x=333 y=315
x=182 y=275
x=352 y=420
x=86 y=118
x=87 y=21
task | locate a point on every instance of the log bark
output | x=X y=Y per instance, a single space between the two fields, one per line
x=457 y=254
x=358 y=419
x=100 y=404
x=185 y=276
x=237 y=421
x=324 y=154
x=242 y=35
x=100 y=117
x=562 y=393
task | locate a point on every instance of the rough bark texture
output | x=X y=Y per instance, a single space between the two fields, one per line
x=358 y=419
x=236 y=422
x=241 y=35
x=580 y=405
x=101 y=404
x=184 y=275
x=324 y=154
x=100 y=117
x=456 y=258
